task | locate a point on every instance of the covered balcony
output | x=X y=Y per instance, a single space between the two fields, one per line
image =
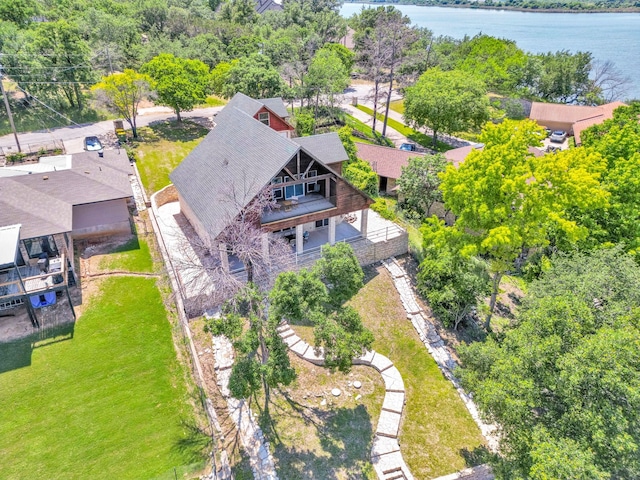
x=297 y=206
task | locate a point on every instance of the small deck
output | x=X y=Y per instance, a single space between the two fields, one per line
x=311 y=203
x=33 y=279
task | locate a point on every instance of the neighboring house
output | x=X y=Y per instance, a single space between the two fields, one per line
x=243 y=155
x=270 y=111
x=387 y=162
x=571 y=118
x=267 y=5
x=58 y=200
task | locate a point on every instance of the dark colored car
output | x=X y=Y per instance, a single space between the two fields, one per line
x=558 y=136
x=92 y=144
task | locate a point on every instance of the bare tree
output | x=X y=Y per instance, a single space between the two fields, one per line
x=207 y=277
x=608 y=81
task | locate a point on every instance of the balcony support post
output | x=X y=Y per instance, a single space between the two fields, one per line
x=332 y=230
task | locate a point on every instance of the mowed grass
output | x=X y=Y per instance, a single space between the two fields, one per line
x=111 y=402
x=438 y=431
x=162 y=147
x=418 y=137
x=133 y=256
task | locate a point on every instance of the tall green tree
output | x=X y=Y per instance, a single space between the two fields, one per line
x=450 y=279
x=499 y=63
x=254 y=76
x=261 y=355
x=511 y=201
x=122 y=93
x=618 y=141
x=180 y=83
x=319 y=296
x=446 y=102
x=326 y=77
x=419 y=184
x=564 y=382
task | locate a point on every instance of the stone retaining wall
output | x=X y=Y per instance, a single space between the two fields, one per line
x=167 y=195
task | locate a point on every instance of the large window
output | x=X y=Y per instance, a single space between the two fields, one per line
x=264 y=118
x=322 y=223
x=294 y=191
x=36 y=246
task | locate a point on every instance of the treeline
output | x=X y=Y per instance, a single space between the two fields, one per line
x=540 y=5
x=54 y=51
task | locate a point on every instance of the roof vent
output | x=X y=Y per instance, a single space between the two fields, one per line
x=46 y=177
x=225 y=162
x=87 y=172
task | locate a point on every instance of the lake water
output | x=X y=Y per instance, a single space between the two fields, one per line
x=608 y=36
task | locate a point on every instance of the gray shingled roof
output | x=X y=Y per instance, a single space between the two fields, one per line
x=237 y=158
x=250 y=106
x=45 y=206
x=326 y=147
x=276 y=105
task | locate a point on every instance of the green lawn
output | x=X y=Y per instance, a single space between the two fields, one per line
x=365 y=129
x=410 y=133
x=162 y=147
x=438 y=431
x=133 y=256
x=110 y=403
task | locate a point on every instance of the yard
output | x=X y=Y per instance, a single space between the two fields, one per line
x=110 y=402
x=162 y=147
x=438 y=435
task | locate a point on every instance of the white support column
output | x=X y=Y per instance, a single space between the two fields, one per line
x=265 y=245
x=332 y=230
x=224 y=256
x=299 y=239
x=364 y=218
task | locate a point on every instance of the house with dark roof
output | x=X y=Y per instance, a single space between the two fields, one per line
x=243 y=155
x=54 y=202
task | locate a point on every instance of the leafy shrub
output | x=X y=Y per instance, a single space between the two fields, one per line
x=16 y=157
x=381 y=208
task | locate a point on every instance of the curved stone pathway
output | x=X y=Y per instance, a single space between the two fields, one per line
x=251 y=436
x=435 y=345
x=385 y=454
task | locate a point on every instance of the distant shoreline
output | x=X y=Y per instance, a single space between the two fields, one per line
x=477 y=6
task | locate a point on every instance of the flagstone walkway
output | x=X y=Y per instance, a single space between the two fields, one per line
x=385 y=454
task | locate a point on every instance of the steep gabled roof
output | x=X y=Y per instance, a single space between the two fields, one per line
x=250 y=106
x=230 y=166
x=276 y=105
x=326 y=147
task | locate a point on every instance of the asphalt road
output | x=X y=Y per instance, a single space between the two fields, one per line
x=72 y=137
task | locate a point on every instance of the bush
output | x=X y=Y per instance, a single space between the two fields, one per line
x=305 y=123
x=381 y=208
x=360 y=174
x=16 y=157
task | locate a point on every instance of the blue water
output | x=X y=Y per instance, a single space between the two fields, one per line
x=608 y=36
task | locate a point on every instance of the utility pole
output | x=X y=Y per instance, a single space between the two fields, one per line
x=6 y=104
x=109 y=57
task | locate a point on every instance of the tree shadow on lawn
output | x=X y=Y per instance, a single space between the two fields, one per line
x=173 y=131
x=336 y=442
x=477 y=456
x=194 y=445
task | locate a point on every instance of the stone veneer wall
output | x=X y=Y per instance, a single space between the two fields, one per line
x=166 y=195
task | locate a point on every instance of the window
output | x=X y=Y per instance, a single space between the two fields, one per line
x=277 y=192
x=312 y=186
x=294 y=191
x=322 y=223
x=36 y=246
x=264 y=118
